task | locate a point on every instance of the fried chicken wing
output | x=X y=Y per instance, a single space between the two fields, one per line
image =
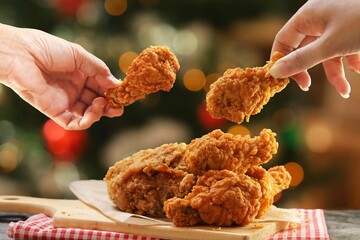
x=221 y=198
x=218 y=150
x=153 y=70
x=240 y=93
x=272 y=182
x=142 y=182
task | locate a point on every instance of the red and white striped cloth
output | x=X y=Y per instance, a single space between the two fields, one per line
x=313 y=227
x=40 y=227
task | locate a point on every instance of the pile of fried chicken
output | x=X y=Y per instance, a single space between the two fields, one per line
x=216 y=179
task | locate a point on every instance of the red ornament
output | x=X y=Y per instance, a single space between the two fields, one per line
x=63 y=144
x=68 y=7
x=209 y=123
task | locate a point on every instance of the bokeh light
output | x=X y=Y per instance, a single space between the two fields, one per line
x=88 y=14
x=210 y=79
x=185 y=42
x=160 y=34
x=194 y=79
x=115 y=7
x=10 y=156
x=296 y=171
x=239 y=130
x=126 y=59
x=206 y=120
x=8 y=160
x=318 y=137
x=63 y=144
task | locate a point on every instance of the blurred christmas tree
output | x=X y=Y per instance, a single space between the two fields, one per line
x=207 y=36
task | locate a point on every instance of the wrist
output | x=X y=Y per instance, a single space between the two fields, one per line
x=9 y=42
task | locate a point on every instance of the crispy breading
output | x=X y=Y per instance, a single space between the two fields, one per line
x=153 y=70
x=221 y=198
x=240 y=92
x=214 y=180
x=142 y=182
x=217 y=150
x=272 y=182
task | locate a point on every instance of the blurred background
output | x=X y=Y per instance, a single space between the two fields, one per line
x=318 y=131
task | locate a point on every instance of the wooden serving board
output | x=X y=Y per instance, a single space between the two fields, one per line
x=76 y=214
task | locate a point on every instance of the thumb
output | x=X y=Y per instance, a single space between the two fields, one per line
x=94 y=67
x=301 y=59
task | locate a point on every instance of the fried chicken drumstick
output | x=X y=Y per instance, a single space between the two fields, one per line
x=153 y=70
x=240 y=93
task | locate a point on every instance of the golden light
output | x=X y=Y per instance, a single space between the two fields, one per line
x=296 y=171
x=239 y=130
x=194 y=79
x=9 y=157
x=126 y=59
x=319 y=138
x=115 y=7
x=210 y=79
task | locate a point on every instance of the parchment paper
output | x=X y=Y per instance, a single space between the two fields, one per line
x=94 y=193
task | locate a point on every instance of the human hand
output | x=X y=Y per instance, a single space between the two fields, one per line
x=57 y=77
x=320 y=32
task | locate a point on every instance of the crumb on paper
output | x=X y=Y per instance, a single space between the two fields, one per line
x=259 y=225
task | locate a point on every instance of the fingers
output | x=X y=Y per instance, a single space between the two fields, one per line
x=303 y=80
x=334 y=71
x=93 y=67
x=354 y=62
x=77 y=120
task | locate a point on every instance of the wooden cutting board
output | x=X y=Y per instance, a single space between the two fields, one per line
x=76 y=214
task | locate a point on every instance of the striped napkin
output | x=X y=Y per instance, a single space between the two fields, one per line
x=40 y=227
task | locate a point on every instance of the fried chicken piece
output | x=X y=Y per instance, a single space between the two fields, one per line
x=142 y=182
x=153 y=70
x=221 y=198
x=272 y=182
x=240 y=93
x=218 y=150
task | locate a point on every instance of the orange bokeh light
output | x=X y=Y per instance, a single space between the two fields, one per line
x=194 y=79
x=115 y=7
x=239 y=130
x=296 y=171
x=125 y=60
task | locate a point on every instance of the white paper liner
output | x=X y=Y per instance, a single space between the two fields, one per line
x=94 y=193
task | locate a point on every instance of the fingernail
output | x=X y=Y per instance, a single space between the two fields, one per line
x=114 y=79
x=279 y=70
x=347 y=95
x=305 y=89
